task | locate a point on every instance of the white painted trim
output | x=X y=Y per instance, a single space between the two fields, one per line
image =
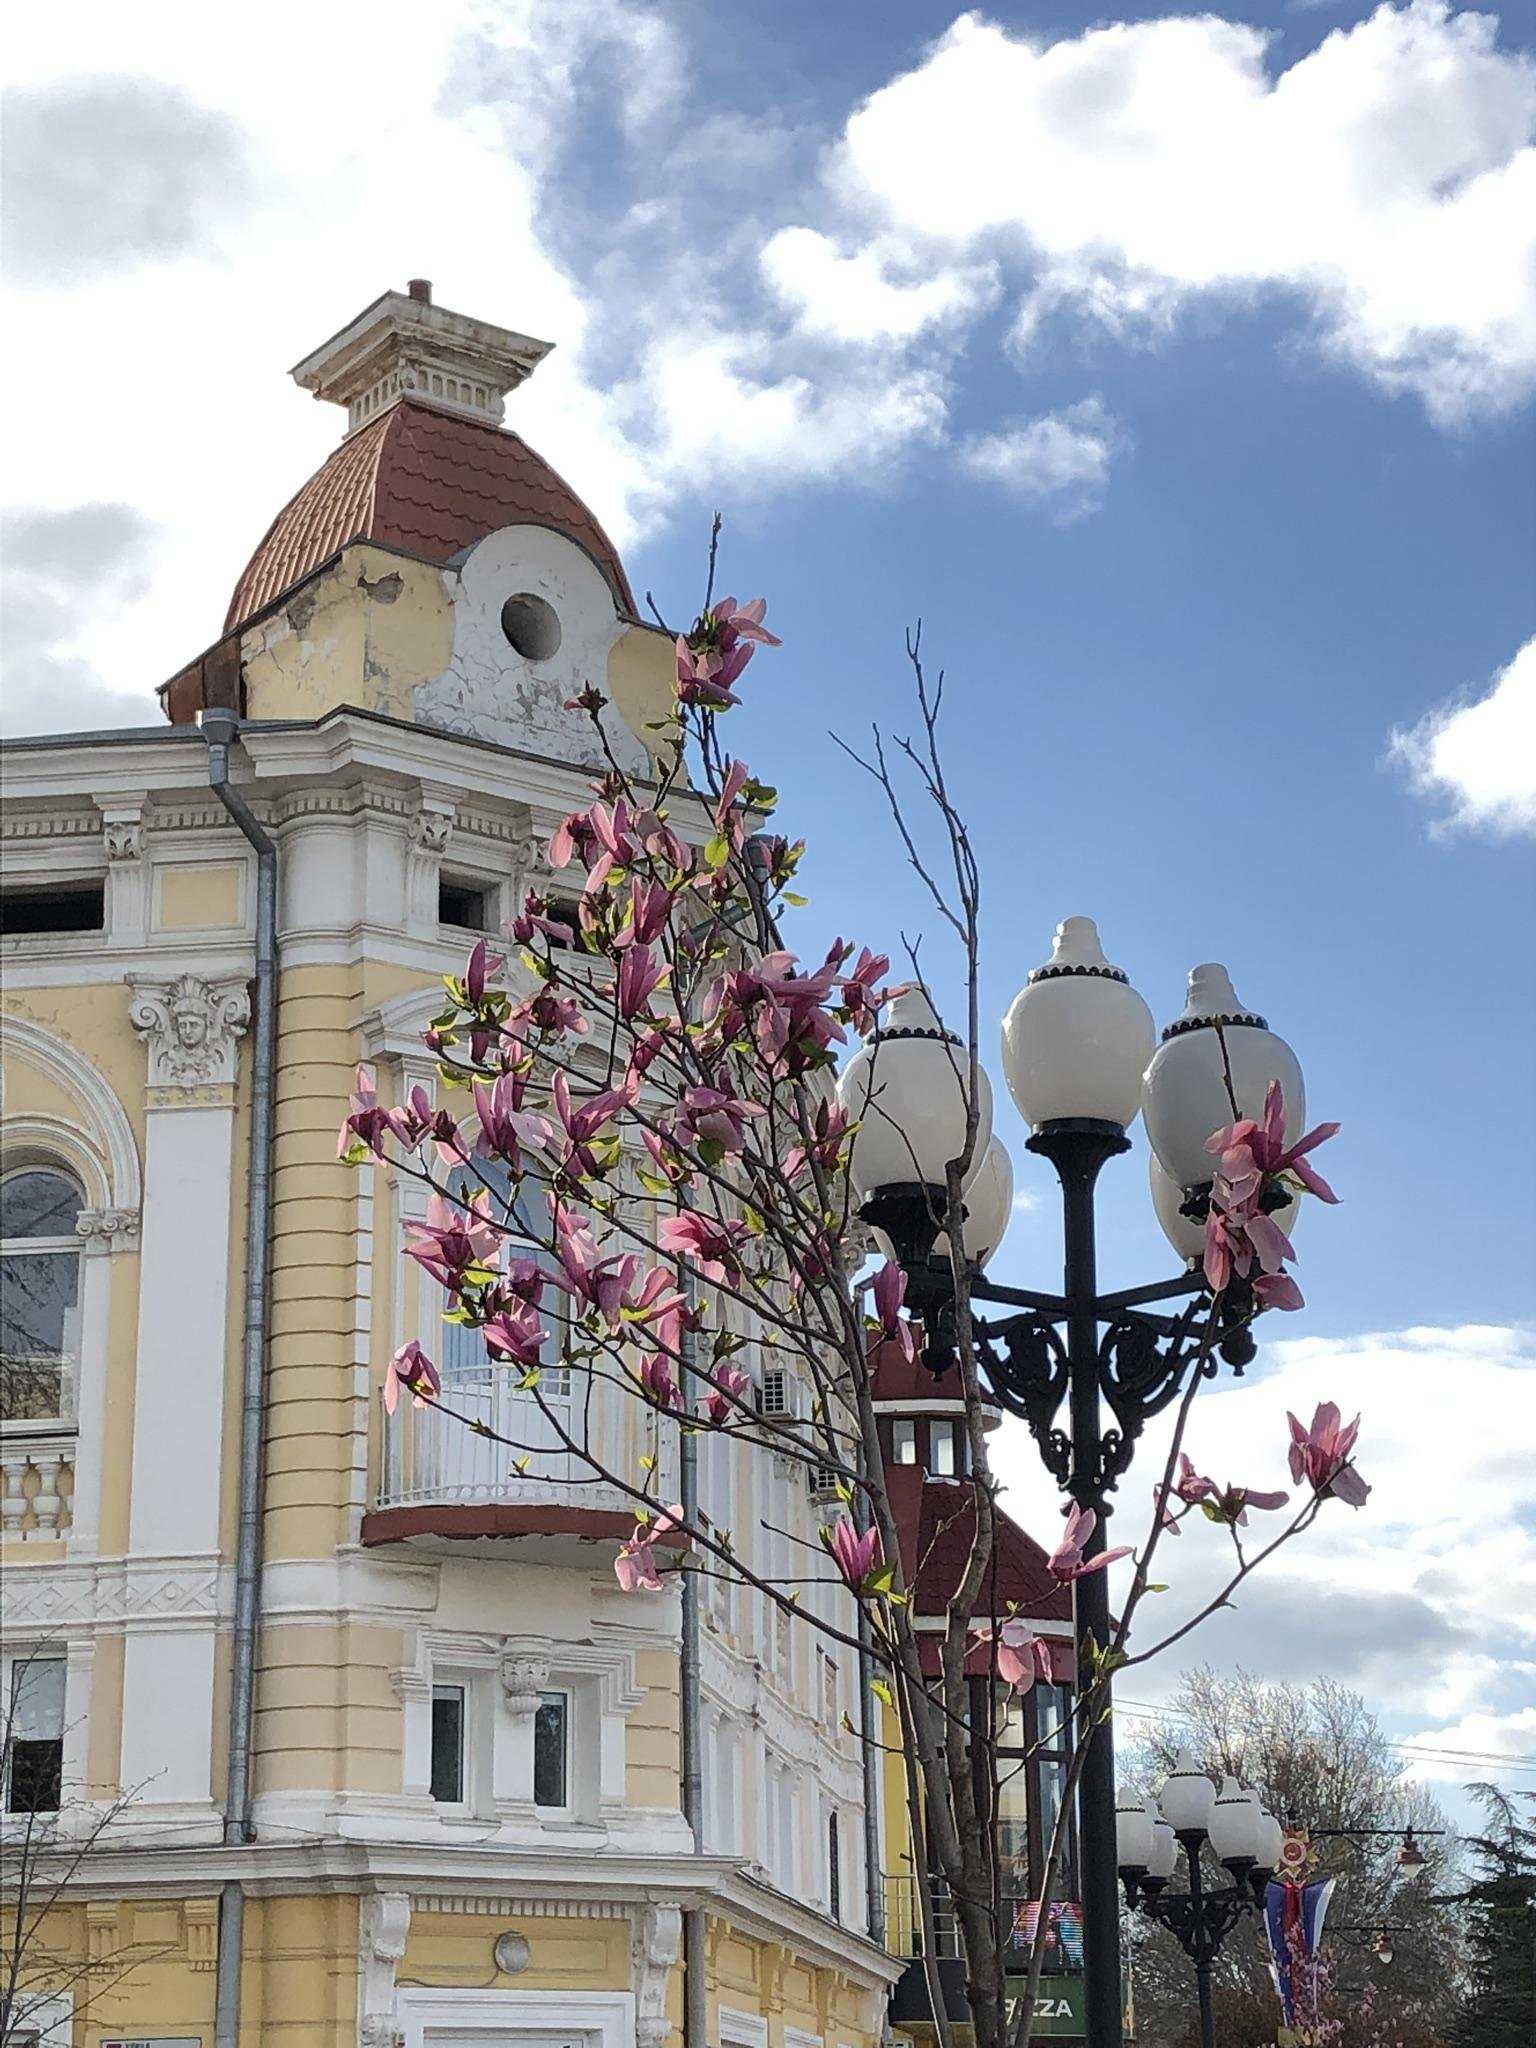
x=597 y=2019
x=70 y=1069
x=742 y=2029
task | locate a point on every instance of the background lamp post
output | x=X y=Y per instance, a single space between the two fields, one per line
x=1081 y=1058
x=1244 y=1838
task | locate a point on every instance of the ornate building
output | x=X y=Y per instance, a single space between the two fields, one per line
x=418 y=1779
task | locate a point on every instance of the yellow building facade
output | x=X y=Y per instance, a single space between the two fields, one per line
x=464 y=1818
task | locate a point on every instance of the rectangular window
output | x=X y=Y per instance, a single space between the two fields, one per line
x=551 y=1750
x=448 y=1744
x=834 y=1868
x=70 y=907
x=466 y=905
x=942 y=1437
x=35 y=1765
x=904 y=1443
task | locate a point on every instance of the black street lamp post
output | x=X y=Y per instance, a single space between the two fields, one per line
x=1081 y=1060
x=1245 y=1838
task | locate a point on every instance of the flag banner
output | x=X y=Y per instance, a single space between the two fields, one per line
x=1293 y=1925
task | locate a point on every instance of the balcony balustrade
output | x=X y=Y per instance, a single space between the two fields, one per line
x=37 y=1480
x=441 y=1476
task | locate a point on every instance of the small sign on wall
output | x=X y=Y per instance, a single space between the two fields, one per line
x=151 y=2041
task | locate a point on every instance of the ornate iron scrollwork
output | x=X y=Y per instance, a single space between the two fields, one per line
x=1030 y=1378
x=1140 y=1371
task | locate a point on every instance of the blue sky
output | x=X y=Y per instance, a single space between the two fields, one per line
x=1176 y=370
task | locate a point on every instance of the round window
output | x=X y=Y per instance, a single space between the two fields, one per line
x=531 y=626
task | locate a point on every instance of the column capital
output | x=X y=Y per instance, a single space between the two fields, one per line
x=191 y=1028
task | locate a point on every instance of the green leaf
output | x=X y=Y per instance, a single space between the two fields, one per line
x=795 y=902
x=883 y=1693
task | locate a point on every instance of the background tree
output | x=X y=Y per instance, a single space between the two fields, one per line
x=1499 y=2006
x=1318 y=1759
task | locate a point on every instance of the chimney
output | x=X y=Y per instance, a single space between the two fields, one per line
x=402 y=346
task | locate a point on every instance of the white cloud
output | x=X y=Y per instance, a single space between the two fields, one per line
x=1063 y=455
x=1386 y=177
x=1425 y=1599
x=1479 y=755
x=857 y=298
x=726 y=320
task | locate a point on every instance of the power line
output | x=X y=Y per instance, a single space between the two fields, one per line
x=1421 y=1753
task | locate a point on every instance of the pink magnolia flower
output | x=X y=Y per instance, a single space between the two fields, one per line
x=861 y=998
x=888 y=1293
x=730 y=1387
x=656 y=1382
x=657 y=1307
x=586 y=1124
x=505 y=1126
x=736 y=777
x=1067 y=1561
x=1167 y=1520
x=482 y=963
x=1251 y=1150
x=640 y=975
x=1222 y=1503
x=705 y=676
x=705 y=1241
x=829 y=1135
x=855 y=1555
x=650 y=904
x=453 y=1237
x=412 y=1369
x=551 y=1012
x=1021 y=1657
x=735 y=622
x=635 y=1565
x=417 y=1119
x=516 y=1334
x=712 y=1117
x=599 y=1283
x=366 y=1120
x=1321 y=1456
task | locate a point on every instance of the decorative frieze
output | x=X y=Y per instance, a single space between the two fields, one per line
x=191 y=1028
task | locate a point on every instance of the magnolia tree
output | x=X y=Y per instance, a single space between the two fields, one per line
x=637 y=1153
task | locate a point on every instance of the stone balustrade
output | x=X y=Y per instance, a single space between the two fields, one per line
x=37 y=1480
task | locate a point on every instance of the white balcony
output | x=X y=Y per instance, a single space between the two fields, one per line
x=441 y=1477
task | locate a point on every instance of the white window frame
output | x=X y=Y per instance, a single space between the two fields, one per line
x=742 y=2029
x=582 y=2019
x=477 y=1736
x=17 y=1825
x=66 y=1422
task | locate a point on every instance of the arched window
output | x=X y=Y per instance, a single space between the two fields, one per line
x=39 y=1295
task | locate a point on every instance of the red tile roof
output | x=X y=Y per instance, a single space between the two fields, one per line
x=937 y=1520
x=427 y=482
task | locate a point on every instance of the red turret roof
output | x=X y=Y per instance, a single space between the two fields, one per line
x=428 y=482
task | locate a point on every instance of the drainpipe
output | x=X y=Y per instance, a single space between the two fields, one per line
x=695 y=2006
x=220 y=729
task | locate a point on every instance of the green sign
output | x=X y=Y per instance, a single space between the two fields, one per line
x=1058 y=2007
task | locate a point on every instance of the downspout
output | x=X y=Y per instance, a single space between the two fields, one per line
x=695 y=2005
x=220 y=729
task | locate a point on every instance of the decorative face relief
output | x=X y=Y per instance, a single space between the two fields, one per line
x=533 y=622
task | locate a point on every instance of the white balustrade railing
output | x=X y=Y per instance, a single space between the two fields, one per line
x=37 y=1479
x=436 y=1455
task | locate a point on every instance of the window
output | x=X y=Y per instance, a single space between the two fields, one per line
x=904 y=1442
x=532 y=627
x=68 y=907
x=829 y=1708
x=34 y=1736
x=834 y=1868
x=775 y=1395
x=448 y=1744
x=1030 y=1787
x=551 y=1750
x=466 y=904
x=39 y=1295
x=942 y=1437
